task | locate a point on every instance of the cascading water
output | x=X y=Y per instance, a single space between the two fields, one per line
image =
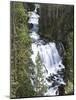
x=52 y=62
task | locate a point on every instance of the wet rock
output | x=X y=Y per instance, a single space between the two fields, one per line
x=61 y=90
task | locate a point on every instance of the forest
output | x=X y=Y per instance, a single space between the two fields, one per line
x=56 y=24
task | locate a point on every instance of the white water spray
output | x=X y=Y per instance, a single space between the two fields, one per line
x=48 y=53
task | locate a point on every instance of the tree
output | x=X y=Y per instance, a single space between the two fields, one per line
x=20 y=52
x=40 y=84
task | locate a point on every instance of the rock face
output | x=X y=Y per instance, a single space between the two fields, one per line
x=61 y=50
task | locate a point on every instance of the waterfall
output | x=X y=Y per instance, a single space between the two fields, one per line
x=49 y=56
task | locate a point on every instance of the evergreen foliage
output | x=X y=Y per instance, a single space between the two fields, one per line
x=20 y=52
x=40 y=83
x=69 y=63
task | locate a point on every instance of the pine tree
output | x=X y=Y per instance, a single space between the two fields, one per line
x=20 y=53
x=40 y=84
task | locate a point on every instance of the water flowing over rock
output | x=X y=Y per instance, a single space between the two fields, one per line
x=51 y=60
